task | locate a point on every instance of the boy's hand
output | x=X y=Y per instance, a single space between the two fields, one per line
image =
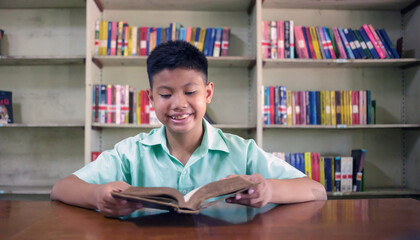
x=257 y=196
x=110 y=206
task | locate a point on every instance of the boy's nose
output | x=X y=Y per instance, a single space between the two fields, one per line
x=179 y=101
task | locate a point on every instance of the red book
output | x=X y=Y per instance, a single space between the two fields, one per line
x=272 y=105
x=355 y=107
x=316 y=174
x=143 y=41
x=300 y=43
x=225 y=41
x=280 y=39
x=95 y=155
x=114 y=39
x=147 y=108
x=311 y=46
x=302 y=107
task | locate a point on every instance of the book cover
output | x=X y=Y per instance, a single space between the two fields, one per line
x=143 y=41
x=301 y=49
x=225 y=41
x=333 y=108
x=337 y=174
x=352 y=44
x=309 y=44
x=286 y=39
x=292 y=39
x=338 y=107
x=308 y=167
x=95 y=103
x=272 y=105
x=359 y=38
x=102 y=104
x=323 y=40
x=339 y=43
x=134 y=41
x=378 y=40
x=289 y=94
x=273 y=38
x=358 y=166
x=322 y=171
x=201 y=39
x=346 y=44
x=318 y=107
x=373 y=40
x=389 y=43
x=193 y=202
x=387 y=49
x=328 y=170
x=334 y=44
x=97 y=32
x=280 y=39
x=6 y=107
x=283 y=105
x=369 y=44
x=315 y=42
x=357 y=44
x=329 y=43
x=95 y=155
x=217 y=42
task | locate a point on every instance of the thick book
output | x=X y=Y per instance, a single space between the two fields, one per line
x=193 y=202
x=225 y=41
x=358 y=165
x=6 y=107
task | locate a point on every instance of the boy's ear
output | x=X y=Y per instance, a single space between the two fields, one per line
x=209 y=92
x=150 y=95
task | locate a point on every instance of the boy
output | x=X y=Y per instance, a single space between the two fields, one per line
x=186 y=152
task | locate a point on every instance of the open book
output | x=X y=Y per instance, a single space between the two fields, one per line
x=171 y=199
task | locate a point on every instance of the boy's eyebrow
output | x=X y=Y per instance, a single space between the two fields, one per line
x=169 y=88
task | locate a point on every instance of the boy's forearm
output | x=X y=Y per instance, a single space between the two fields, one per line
x=296 y=190
x=74 y=191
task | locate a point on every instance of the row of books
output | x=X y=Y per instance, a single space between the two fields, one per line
x=6 y=107
x=344 y=107
x=282 y=39
x=337 y=173
x=117 y=38
x=121 y=104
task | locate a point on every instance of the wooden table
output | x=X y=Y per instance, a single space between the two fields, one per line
x=332 y=219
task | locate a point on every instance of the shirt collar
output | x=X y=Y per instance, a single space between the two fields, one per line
x=212 y=138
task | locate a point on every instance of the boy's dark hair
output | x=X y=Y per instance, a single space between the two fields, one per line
x=176 y=54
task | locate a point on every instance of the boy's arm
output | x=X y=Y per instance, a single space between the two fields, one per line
x=280 y=191
x=74 y=191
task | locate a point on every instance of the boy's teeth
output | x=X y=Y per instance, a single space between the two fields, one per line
x=180 y=117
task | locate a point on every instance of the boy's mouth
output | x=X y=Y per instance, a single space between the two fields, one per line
x=180 y=117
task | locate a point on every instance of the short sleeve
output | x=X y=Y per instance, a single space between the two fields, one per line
x=269 y=166
x=108 y=167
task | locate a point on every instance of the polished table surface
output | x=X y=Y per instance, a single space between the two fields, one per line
x=332 y=219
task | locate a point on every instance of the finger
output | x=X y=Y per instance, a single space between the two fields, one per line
x=229 y=176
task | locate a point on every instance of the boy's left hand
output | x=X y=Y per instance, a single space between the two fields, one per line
x=257 y=196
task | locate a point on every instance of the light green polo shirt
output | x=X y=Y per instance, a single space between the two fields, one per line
x=144 y=160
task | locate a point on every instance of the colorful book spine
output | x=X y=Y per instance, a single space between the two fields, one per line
x=341 y=50
x=378 y=40
x=329 y=43
x=280 y=39
x=346 y=44
x=292 y=40
x=337 y=174
x=273 y=38
x=286 y=39
x=308 y=168
x=97 y=30
x=217 y=42
x=225 y=41
x=289 y=107
x=389 y=43
x=315 y=42
x=362 y=44
x=369 y=44
x=373 y=40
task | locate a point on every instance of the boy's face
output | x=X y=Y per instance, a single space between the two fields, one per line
x=180 y=98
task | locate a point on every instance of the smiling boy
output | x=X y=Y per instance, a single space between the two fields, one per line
x=186 y=152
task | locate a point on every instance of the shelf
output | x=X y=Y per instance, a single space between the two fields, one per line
x=335 y=63
x=25 y=190
x=372 y=126
x=185 y=5
x=142 y=61
x=40 y=125
x=340 y=5
x=41 y=60
x=378 y=193
x=149 y=126
x=18 y=4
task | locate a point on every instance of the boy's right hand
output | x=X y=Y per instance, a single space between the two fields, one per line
x=110 y=206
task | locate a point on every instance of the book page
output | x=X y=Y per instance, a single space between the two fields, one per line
x=191 y=193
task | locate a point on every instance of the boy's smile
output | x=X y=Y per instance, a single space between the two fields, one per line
x=180 y=98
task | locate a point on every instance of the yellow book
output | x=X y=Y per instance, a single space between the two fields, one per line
x=152 y=39
x=129 y=50
x=138 y=107
x=332 y=174
x=120 y=37
x=322 y=103
x=308 y=168
x=201 y=39
x=193 y=33
x=350 y=108
x=315 y=42
x=289 y=107
x=333 y=109
x=327 y=97
x=322 y=170
x=343 y=107
x=103 y=38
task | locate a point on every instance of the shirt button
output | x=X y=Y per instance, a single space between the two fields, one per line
x=184 y=192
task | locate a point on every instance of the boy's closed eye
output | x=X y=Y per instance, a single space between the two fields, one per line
x=165 y=95
x=189 y=93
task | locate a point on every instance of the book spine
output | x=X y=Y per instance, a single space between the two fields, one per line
x=143 y=41
x=308 y=168
x=323 y=41
x=334 y=44
x=102 y=103
x=289 y=107
x=337 y=174
x=120 y=36
x=378 y=40
x=272 y=105
x=357 y=44
x=280 y=39
x=286 y=39
x=277 y=100
x=338 y=107
x=373 y=40
x=217 y=43
x=302 y=107
x=315 y=43
x=283 y=105
x=97 y=30
x=389 y=43
x=329 y=43
x=387 y=49
x=362 y=44
x=273 y=38
x=352 y=44
x=225 y=41
x=369 y=44
x=355 y=108
x=318 y=107
x=341 y=50
x=333 y=108
x=266 y=108
x=292 y=40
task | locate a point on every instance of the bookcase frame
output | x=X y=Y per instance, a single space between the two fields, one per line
x=239 y=79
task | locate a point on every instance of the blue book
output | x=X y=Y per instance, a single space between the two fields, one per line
x=318 y=107
x=212 y=40
x=293 y=160
x=357 y=44
x=312 y=108
x=328 y=173
x=368 y=43
x=389 y=43
x=385 y=44
x=206 y=49
x=368 y=107
x=267 y=106
x=302 y=162
x=351 y=43
x=148 y=41
x=277 y=100
x=108 y=48
x=308 y=108
x=337 y=174
x=346 y=44
x=306 y=41
x=158 y=36
x=287 y=157
x=197 y=37
x=320 y=32
x=327 y=39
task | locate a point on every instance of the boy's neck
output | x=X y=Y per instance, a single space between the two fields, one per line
x=182 y=146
